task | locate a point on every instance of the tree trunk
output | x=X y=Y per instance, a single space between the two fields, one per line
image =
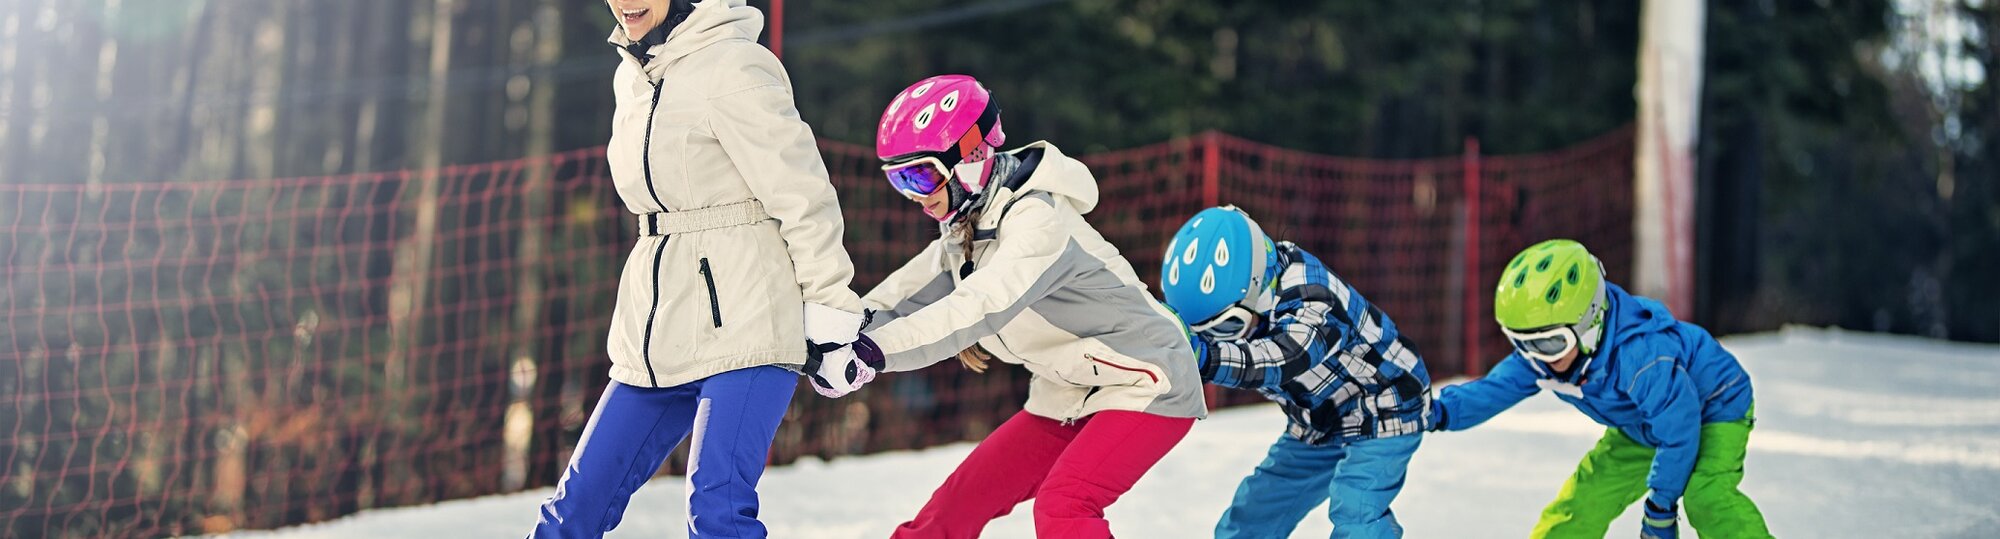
x=537 y=198
x=414 y=257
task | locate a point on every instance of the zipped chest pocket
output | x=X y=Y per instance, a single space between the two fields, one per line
x=714 y=302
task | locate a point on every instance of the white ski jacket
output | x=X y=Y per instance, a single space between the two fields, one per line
x=748 y=248
x=1044 y=290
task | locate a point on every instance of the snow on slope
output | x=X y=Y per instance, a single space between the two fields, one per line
x=1859 y=435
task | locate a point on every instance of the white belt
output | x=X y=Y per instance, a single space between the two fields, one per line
x=664 y=223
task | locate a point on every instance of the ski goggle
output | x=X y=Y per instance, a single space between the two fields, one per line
x=1547 y=344
x=918 y=177
x=1232 y=324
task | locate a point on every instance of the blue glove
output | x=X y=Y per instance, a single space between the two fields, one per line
x=1660 y=523
x=1201 y=348
x=1437 y=415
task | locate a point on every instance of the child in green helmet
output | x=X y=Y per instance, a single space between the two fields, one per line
x=1677 y=405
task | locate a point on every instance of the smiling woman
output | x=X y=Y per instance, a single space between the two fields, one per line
x=639 y=17
x=737 y=271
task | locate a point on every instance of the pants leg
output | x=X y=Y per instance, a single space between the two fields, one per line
x=1611 y=477
x=1366 y=482
x=1714 y=504
x=629 y=435
x=736 y=416
x=1002 y=471
x=1291 y=481
x=1111 y=453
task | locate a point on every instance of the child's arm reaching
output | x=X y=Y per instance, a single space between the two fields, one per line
x=920 y=282
x=1466 y=405
x=1317 y=312
x=1033 y=257
x=1296 y=340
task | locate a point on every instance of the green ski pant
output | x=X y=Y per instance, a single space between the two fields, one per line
x=1613 y=476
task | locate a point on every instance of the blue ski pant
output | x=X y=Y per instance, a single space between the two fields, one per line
x=1360 y=477
x=731 y=418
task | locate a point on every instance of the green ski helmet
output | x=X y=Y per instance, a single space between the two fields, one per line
x=1551 y=297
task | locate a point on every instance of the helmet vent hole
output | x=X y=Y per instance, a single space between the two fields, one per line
x=1520 y=278
x=1555 y=293
x=1572 y=274
x=1544 y=264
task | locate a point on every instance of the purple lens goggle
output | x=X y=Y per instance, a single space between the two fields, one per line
x=918 y=177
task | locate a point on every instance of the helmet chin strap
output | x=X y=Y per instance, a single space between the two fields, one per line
x=956 y=201
x=964 y=196
x=1592 y=336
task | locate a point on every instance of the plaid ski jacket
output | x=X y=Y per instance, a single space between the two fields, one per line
x=1331 y=360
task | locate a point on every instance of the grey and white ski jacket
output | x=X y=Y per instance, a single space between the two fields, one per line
x=1046 y=291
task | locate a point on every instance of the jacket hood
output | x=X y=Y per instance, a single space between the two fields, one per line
x=1632 y=317
x=1059 y=175
x=711 y=22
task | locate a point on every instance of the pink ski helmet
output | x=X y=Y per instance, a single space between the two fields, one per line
x=951 y=117
x=929 y=130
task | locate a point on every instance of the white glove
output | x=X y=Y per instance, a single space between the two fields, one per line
x=830 y=359
x=835 y=372
x=830 y=325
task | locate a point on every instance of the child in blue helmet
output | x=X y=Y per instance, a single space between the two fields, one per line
x=1269 y=316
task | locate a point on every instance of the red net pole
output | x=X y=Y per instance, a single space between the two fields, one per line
x=1211 y=170
x=1474 y=362
x=778 y=28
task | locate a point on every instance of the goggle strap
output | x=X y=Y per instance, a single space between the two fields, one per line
x=987 y=118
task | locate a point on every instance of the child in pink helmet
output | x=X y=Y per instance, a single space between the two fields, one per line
x=1018 y=275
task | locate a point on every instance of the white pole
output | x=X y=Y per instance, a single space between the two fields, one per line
x=1669 y=118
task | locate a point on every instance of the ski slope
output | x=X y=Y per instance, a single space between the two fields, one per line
x=1859 y=435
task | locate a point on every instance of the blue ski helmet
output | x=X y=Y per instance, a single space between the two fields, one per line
x=1218 y=259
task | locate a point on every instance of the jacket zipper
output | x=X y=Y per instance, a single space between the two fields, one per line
x=646 y=165
x=1080 y=405
x=714 y=305
x=646 y=156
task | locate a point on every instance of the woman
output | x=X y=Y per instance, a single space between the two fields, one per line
x=738 y=265
x=1019 y=272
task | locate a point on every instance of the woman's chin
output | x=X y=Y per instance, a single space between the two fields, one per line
x=637 y=30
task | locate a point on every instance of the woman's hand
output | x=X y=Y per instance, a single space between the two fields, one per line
x=836 y=369
x=831 y=361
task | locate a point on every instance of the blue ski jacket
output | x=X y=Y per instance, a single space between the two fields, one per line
x=1655 y=378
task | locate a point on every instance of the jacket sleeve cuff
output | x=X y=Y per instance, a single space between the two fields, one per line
x=1664 y=500
x=830 y=325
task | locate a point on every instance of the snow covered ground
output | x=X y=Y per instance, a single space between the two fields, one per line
x=1859 y=435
